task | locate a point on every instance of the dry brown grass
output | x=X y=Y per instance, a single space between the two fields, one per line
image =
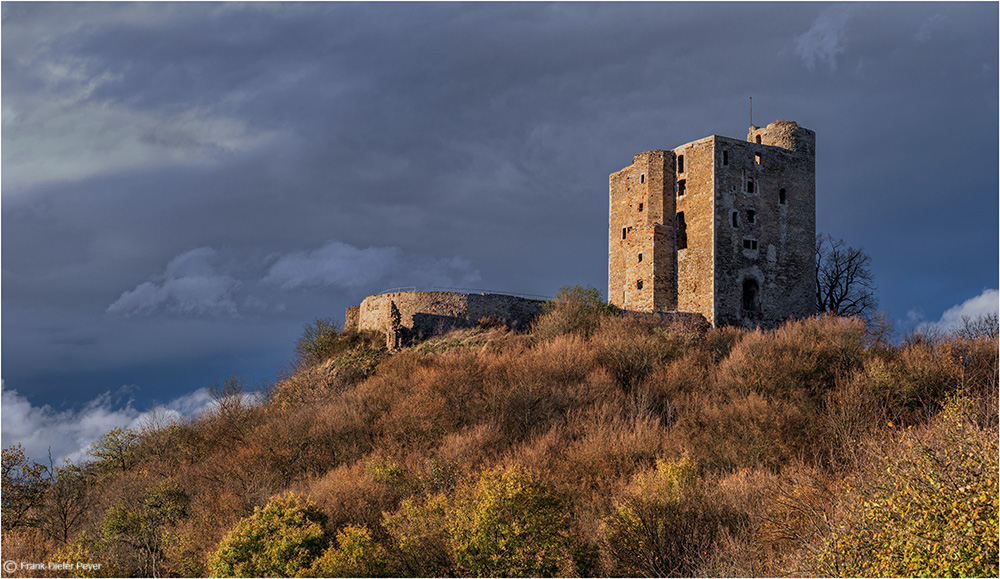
x=774 y=421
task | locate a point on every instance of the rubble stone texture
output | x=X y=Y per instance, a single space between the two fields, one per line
x=720 y=227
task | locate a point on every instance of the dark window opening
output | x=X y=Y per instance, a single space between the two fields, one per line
x=757 y=157
x=736 y=219
x=782 y=198
x=758 y=139
x=749 y=185
x=682 y=234
x=640 y=207
x=751 y=215
x=725 y=157
x=642 y=177
x=624 y=232
x=751 y=296
x=681 y=187
x=680 y=163
x=749 y=244
x=638 y=284
x=639 y=258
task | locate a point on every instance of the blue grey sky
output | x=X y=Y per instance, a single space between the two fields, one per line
x=184 y=185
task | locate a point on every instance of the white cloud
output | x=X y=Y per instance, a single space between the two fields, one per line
x=192 y=284
x=69 y=433
x=338 y=264
x=825 y=39
x=335 y=264
x=985 y=303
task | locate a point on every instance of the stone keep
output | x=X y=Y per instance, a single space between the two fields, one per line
x=721 y=227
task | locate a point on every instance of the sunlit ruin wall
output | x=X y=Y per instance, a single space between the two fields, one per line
x=409 y=316
x=722 y=227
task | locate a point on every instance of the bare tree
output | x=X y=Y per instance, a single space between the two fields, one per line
x=844 y=282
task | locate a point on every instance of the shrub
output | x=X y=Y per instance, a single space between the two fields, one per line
x=665 y=525
x=279 y=540
x=573 y=310
x=930 y=510
x=356 y=554
x=510 y=524
x=419 y=531
x=317 y=342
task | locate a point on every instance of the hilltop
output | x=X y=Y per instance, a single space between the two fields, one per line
x=596 y=443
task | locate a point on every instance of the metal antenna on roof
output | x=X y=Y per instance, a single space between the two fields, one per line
x=751 y=111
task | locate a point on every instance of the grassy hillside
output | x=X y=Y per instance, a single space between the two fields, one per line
x=595 y=444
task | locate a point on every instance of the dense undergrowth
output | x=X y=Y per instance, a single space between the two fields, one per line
x=595 y=444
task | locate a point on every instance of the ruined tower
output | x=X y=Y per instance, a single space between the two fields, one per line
x=719 y=226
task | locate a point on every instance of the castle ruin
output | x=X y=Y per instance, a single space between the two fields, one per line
x=720 y=227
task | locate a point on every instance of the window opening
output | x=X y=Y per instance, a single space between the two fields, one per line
x=758 y=139
x=757 y=157
x=680 y=163
x=782 y=198
x=682 y=235
x=751 y=296
x=681 y=187
x=640 y=207
x=749 y=185
x=642 y=177
x=624 y=232
x=749 y=244
x=639 y=258
x=751 y=216
x=725 y=157
x=638 y=284
x=736 y=219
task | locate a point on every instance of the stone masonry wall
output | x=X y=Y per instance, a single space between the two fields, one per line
x=740 y=247
x=641 y=266
x=413 y=315
x=782 y=226
x=695 y=263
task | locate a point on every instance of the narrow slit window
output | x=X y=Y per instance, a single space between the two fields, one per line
x=642 y=177
x=750 y=301
x=758 y=158
x=640 y=207
x=638 y=284
x=624 y=232
x=682 y=235
x=736 y=219
x=749 y=185
x=725 y=157
x=681 y=187
x=639 y=258
x=680 y=163
x=751 y=216
x=782 y=197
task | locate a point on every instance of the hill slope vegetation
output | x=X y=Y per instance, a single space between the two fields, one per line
x=595 y=444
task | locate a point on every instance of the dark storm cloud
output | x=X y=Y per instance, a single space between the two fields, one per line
x=186 y=184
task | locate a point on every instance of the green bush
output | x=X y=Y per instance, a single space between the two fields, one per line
x=280 y=540
x=317 y=343
x=510 y=524
x=419 y=531
x=356 y=554
x=930 y=512
x=665 y=524
x=574 y=310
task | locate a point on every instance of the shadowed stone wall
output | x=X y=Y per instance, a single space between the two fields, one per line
x=409 y=316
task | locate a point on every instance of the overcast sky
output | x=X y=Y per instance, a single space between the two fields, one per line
x=185 y=185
